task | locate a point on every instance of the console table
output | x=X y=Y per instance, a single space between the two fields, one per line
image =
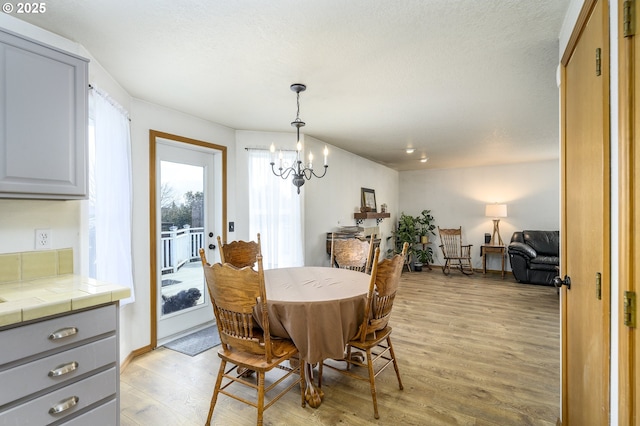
x=491 y=249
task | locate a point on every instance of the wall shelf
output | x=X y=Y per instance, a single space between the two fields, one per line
x=360 y=217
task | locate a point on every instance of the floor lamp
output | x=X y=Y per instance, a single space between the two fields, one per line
x=496 y=211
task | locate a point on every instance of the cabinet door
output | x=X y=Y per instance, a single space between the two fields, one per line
x=43 y=117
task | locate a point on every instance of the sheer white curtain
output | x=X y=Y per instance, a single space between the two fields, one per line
x=110 y=199
x=275 y=210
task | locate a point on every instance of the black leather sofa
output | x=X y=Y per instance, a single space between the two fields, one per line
x=534 y=256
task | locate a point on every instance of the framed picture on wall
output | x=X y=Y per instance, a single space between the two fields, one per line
x=369 y=200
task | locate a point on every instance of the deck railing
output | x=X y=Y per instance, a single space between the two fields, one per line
x=180 y=246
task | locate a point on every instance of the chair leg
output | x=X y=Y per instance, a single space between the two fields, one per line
x=372 y=384
x=347 y=357
x=395 y=362
x=465 y=267
x=445 y=267
x=260 y=397
x=216 y=390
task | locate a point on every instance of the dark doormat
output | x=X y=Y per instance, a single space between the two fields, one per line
x=197 y=342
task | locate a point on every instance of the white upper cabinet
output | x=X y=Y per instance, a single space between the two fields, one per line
x=43 y=121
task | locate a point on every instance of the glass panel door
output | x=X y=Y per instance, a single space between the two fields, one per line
x=185 y=207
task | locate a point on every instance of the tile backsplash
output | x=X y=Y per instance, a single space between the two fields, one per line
x=35 y=264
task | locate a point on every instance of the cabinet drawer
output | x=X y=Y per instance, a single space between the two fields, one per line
x=104 y=415
x=43 y=373
x=32 y=339
x=77 y=396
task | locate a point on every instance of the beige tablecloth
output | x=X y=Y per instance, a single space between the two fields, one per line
x=318 y=308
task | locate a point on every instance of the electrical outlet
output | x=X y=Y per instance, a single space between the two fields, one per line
x=232 y=226
x=43 y=239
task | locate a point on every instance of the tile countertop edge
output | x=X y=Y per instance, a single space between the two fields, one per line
x=42 y=297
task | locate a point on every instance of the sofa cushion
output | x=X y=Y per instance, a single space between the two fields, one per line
x=543 y=267
x=543 y=242
x=546 y=260
x=522 y=249
x=517 y=237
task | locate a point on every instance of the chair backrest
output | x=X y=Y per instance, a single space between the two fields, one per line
x=239 y=253
x=236 y=295
x=351 y=253
x=451 y=241
x=385 y=280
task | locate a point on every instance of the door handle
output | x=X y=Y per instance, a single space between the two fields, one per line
x=212 y=246
x=559 y=282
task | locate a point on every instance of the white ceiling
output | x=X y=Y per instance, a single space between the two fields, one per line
x=464 y=82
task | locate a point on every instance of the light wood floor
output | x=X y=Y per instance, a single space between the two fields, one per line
x=472 y=350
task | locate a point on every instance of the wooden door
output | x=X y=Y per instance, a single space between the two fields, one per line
x=629 y=224
x=585 y=221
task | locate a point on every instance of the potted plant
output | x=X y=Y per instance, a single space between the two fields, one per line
x=425 y=226
x=424 y=255
x=405 y=233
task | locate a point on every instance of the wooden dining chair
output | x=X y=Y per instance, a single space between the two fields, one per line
x=239 y=253
x=455 y=253
x=236 y=295
x=374 y=333
x=352 y=253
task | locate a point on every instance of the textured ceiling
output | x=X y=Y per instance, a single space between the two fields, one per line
x=464 y=82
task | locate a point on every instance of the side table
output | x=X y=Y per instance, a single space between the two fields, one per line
x=490 y=249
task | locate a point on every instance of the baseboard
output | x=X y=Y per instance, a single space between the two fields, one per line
x=496 y=271
x=133 y=355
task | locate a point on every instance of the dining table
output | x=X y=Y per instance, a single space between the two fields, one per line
x=319 y=309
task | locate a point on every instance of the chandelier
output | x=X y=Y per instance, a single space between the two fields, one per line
x=298 y=169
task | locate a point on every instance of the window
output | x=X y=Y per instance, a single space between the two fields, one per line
x=275 y=211
x=110 y=254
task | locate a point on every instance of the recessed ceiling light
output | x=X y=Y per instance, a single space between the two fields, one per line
x=424 y=160
x=410 y=150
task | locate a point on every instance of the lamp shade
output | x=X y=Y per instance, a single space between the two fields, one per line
x=495 y=210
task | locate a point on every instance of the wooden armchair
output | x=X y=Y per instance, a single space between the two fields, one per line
x=352 y=253
x=236 y=295
x=374 y=334
x=455 y=253
x=239 y=253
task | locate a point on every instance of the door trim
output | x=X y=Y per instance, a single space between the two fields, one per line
x=153 y=263
x=583 y=17
x=629 y=217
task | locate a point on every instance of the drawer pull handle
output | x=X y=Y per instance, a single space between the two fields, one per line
x=64 y=405
x=63 y=369
x=63 y=332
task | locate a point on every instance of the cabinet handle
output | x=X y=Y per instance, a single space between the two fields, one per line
x=63 y=369
x=64 y=405
x=63 y=332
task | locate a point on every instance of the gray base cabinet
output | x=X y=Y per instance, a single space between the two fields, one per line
x=62 y=371
x=44 y=121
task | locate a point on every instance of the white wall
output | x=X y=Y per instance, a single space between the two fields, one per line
x=328 y=202
x=331 y=201
x=457 y=197
x=144 y=117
